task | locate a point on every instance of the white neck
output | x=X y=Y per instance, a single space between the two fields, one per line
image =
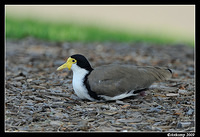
x=78 y=82
x=78 y=73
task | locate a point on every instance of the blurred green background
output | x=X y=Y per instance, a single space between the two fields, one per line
x=160 y=24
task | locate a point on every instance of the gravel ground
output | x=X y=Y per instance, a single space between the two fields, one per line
x=39 y=98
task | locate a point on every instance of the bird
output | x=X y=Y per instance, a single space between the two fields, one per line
x=111 y=82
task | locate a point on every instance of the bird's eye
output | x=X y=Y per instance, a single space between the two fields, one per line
x=73 y=60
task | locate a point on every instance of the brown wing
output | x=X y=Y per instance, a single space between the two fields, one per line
x=112 y=80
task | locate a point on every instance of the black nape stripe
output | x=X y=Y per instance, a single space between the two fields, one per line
x=90 y=92
x=170 y=70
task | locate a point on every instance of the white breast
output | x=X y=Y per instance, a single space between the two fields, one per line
x=78 y=82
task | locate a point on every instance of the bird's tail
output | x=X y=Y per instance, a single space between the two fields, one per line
x=160 y=73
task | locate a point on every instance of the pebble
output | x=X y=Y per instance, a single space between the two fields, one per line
x=36 y=82
x=183 y=124
x=172 y=94
x=121 y=102
x=154 y=110
x=74 y=97
x=19 y=78
x=190 y=111
x=55 y=91
x=157 y=123
x=37 y=87
x=110 y=113
x=17 y=84
x=59 y=109
x=156 y=129
x=29 y=80
x=56 y=123
x=183 y=92
x=136 y=120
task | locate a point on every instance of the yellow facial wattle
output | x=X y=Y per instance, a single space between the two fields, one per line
x=68 y=64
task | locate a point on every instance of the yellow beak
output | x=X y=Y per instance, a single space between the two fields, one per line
x=68 y=64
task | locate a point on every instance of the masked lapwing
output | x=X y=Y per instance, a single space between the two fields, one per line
x=111 y=82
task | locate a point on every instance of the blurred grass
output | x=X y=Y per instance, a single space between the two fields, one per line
x=20 y=28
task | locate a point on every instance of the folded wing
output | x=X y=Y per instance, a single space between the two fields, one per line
x=112 y=80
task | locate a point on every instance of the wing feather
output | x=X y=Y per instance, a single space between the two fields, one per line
x=112 y=80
